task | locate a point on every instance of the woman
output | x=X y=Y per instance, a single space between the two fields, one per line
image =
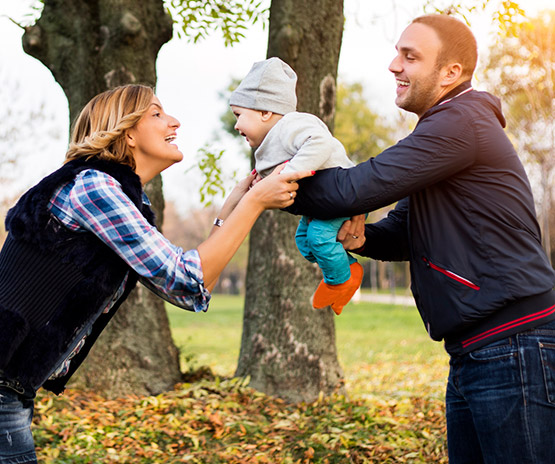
x=81 y=238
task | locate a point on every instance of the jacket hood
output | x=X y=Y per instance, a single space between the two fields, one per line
x=464 y=90
x=494 y=103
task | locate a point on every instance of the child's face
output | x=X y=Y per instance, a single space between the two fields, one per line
x=251 y=124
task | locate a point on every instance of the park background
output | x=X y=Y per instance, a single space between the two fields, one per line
x=393 y=374
x=193 y=79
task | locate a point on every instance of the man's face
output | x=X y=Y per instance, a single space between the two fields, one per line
x=415 y=69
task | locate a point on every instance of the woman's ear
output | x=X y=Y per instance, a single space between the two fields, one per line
x=130 y=139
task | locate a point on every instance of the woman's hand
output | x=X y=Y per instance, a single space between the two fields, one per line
x=277 y=190
x=351 y=234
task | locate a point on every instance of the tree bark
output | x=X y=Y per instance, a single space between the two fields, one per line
x=91 y=46
x=288 y=348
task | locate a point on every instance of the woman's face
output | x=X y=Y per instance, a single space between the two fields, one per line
x=151 y=141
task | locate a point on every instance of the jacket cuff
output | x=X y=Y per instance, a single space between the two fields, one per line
x=358 y=251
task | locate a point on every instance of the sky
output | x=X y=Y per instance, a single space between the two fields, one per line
x=190 y=79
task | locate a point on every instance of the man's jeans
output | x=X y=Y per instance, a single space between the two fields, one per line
x=501 y=401
x=16 y=440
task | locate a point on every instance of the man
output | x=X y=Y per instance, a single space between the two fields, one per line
x=465 y=220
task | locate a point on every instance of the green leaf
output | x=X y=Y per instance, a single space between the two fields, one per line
x=229 y=17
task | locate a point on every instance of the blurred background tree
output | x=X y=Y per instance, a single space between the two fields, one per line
x=18 y=149
x=521 y=71
x=362 y=130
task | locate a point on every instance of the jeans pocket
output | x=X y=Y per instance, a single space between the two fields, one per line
x=9 y=400
x=501 y=349
x=547 y=355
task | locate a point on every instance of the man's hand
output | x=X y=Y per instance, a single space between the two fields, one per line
x=351 y=234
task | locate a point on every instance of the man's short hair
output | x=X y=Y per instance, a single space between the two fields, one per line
x=458 y=44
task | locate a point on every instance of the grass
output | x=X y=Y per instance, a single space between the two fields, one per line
x=209 y=339
x=382 y=348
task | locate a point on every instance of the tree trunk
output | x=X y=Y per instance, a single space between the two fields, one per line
x=91 y=46
x=288 y=348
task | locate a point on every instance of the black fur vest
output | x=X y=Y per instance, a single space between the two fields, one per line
x=54 y=282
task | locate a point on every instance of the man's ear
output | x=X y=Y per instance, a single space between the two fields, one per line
x=451 y=74
x=266 y=115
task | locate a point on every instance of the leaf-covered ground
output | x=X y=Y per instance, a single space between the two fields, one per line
x=394 y=377
x=223 y=421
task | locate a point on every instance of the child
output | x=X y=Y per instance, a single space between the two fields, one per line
x=265 y=105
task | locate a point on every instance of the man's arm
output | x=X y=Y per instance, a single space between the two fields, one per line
x=439 y=147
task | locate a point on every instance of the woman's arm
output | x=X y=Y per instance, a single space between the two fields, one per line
x=96 y=202
x=239 y=214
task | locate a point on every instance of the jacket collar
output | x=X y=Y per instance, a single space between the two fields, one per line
x=454 y=93
x=466 y=86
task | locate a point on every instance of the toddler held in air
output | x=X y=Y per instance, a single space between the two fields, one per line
x=265 y=104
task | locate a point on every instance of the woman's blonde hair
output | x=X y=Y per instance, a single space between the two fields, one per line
x=101 y=127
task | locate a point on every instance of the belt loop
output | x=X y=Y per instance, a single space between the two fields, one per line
x=12 y=385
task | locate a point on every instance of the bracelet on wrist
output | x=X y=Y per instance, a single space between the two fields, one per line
x=218 y=222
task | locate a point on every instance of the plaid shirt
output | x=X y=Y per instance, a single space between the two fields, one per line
x=94 y=201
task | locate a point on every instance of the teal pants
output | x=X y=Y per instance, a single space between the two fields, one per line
x=317 y=241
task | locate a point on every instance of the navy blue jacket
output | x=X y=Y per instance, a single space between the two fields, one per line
x=465 y=219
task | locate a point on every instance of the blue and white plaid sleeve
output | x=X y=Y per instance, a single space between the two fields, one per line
x=96 y=202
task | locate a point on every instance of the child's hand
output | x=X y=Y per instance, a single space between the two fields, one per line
x=257 y=178
x=351 y=234
x=242 y=187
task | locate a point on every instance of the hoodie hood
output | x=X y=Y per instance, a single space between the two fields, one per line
x=489 y=102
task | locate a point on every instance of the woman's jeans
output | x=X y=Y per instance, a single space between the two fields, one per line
x=501 y=401
x=16 y=440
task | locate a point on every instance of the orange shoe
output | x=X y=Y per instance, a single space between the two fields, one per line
x=325 y=295
x=349 y=288
x=338 y=295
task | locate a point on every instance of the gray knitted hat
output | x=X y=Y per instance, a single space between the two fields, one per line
x=269 y=86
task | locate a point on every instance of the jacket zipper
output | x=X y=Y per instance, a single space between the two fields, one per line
x=451 y=275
